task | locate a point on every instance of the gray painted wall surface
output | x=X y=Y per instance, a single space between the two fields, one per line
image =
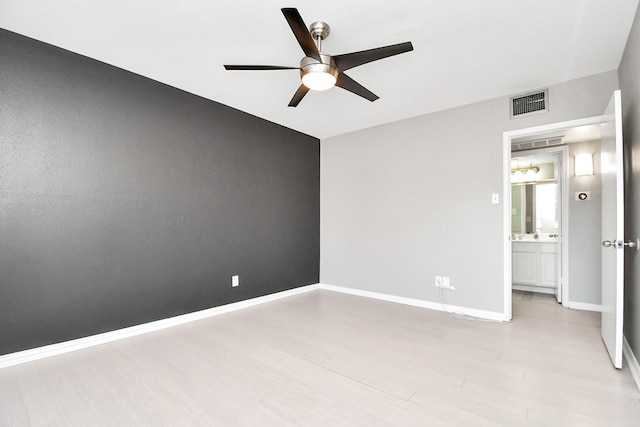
x=124 y=201
x=629 y=73
x=404 y=202
x=585 y=229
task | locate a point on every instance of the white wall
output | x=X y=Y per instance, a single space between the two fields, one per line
x=585 y=229
x=403 y=202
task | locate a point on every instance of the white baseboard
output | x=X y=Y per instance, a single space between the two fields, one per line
x=634 y=367
x=80 y=343
x=529 y=288
x=584 y=306
x=489 y=315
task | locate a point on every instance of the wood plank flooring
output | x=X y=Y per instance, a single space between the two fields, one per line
x=329 y=359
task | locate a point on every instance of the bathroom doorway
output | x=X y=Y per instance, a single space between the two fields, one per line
x=538 y=183
x=555 y=144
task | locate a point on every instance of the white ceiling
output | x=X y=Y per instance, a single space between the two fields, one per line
x=465 y=51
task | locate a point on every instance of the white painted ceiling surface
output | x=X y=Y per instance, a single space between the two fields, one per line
x=465 y=51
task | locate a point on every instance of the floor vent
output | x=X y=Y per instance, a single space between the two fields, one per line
x=537 y=102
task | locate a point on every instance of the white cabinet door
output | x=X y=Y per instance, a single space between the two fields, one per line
x=525 y=268
x=548 y=270
x=548 y=265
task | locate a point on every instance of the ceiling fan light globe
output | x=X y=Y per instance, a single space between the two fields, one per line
x=319 y=80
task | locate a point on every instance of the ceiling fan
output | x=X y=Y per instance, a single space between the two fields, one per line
x=320 y=71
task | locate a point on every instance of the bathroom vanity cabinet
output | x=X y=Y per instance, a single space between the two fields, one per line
x=535 y=266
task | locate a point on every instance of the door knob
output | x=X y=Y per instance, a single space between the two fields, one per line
x=619 y=244
x=622 y=244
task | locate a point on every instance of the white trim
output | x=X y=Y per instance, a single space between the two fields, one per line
x=554 y=126
x=584 y=306
x=562 y=155
x=532 y=288
x=506 y=224
x=80 y=343
x=564 y=246
x=634 y=367
x=489 y=315
x=506 y=211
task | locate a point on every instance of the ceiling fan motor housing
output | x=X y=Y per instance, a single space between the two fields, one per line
x=327 y=69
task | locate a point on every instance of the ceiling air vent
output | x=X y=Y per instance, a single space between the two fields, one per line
x=537 y=102
x=538 y=143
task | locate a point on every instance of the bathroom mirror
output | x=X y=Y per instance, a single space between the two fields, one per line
x=533 y=207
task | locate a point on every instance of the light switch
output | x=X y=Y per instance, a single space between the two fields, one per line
x=495 y=198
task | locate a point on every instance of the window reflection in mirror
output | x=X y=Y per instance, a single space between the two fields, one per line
x=534 y=207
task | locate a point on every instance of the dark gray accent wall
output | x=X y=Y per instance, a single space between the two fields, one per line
x=123 y=200
x=630 y=87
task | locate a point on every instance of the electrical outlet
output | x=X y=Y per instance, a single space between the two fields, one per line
x=446 y=283
x=235 y=281
x=439 y=281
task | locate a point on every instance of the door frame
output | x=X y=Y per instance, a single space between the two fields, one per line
x=561 y=153
x=506 y=211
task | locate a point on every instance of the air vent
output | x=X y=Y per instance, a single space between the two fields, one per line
x=522 y=146
x=538 y=143
x=530 y=103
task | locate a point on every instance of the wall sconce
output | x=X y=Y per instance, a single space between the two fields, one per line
x=583 y=164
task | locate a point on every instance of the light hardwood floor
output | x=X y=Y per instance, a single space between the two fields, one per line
x=329 y=359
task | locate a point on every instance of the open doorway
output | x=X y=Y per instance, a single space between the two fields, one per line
x=556 y=144
x=538 y=201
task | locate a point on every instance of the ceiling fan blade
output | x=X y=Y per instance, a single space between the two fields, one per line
x=301 y=32
x=257 y=67
x=297 y=97
x=347 y=83
x=350 y=60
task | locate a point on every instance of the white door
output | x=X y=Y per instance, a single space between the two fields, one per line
x=612 y=230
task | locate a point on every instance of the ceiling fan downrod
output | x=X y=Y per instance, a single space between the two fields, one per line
x=319 y=31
